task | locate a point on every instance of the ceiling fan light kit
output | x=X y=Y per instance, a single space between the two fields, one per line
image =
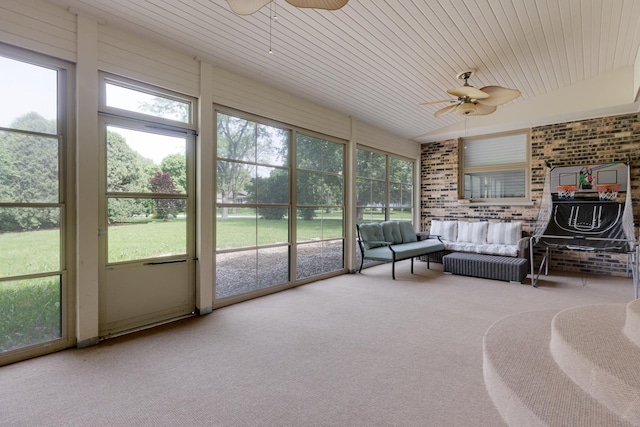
x=466 y=108
x=472 y=101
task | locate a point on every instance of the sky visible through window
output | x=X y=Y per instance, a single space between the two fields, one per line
x=26 y=88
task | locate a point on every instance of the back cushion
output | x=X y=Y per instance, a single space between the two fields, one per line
x=472 y=232
x=407 y=231
x=371 y=232
x=391 y=231
x=447 y=230
x=505 y=233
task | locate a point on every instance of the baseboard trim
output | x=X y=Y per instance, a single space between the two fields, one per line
x=88 y=342
x=204 y=310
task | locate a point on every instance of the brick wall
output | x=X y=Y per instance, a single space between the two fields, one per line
x=593 y=141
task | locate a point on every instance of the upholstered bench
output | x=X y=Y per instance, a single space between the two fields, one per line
x=506 y=268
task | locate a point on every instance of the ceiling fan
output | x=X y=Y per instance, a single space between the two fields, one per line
x=472 y=101
x=247 y=7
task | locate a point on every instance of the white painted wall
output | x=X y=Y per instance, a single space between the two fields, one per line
x=38 y=26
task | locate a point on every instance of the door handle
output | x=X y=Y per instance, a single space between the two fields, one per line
x=173 y=261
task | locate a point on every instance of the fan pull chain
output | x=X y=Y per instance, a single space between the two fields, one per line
x=270 y=22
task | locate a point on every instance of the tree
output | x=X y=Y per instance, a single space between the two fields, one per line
x=29 y=173
x=167 y=108
x=370 y=181
x=176 y=165
x=320 y=181
x=237 y=139
x=273 y=189
x=127 y=172
x=162 y=183
x=400 y=184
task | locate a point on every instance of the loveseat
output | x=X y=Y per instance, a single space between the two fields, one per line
x=481 y=237
x=392 y=241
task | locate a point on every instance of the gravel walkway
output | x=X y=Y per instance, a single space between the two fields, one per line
x=236 y=272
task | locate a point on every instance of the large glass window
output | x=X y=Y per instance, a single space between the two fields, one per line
x=384 y=188
x=139 y=100
x=320 y=206
x=32 y=210
x=253 y=206
x=495 y=168
x=279 y=205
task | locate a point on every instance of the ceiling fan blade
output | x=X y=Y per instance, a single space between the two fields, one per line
x=438 y=102
x=483 y=109
x=319 y=4
x=468 y=92
x=498 y=95
x=445 y=110
x=247 y=7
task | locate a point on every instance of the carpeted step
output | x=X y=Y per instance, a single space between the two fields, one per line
x=632 y=322
x=589 y=345
x=527 y=386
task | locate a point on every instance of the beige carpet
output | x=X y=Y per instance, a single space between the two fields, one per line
x=357 y=350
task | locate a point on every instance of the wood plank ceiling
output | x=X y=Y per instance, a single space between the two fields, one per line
x=376 y=60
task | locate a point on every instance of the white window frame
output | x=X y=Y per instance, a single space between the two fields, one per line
x=65 y=122
x=524 y=166
x=388 y=181
x=106 y=78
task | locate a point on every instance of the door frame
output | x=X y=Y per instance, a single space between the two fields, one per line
x=183 y=309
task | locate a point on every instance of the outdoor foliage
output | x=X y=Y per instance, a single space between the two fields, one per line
x=236 y=143
x=320 y=181
x=167 y=108
x=30 y=312
x=372 y=181
x=129 y=172
x=176 y=166
x=161 y=182
x=29 y=174
x=271 y=189
x=250 y=160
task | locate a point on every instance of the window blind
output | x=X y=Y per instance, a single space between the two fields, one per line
x=500 y=150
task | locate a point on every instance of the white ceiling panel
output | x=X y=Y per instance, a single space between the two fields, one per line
x=377 y=60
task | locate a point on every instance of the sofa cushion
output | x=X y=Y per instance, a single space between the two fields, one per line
x=407 y=232
x=472 y=232
x=447 y=230
x=391 y=230
x=484 y=248
x=507 y=233
x=370 y=233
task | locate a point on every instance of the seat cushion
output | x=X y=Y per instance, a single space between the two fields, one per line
x=418 y=248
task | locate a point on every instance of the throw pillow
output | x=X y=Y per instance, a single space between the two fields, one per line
x=472 y=232
x=504 y=233
x=447 y=230
x=372 y=233
x=407 y=231
x=391 y=231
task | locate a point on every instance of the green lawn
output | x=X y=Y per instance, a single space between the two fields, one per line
x=30 y=309
x=29 y=312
